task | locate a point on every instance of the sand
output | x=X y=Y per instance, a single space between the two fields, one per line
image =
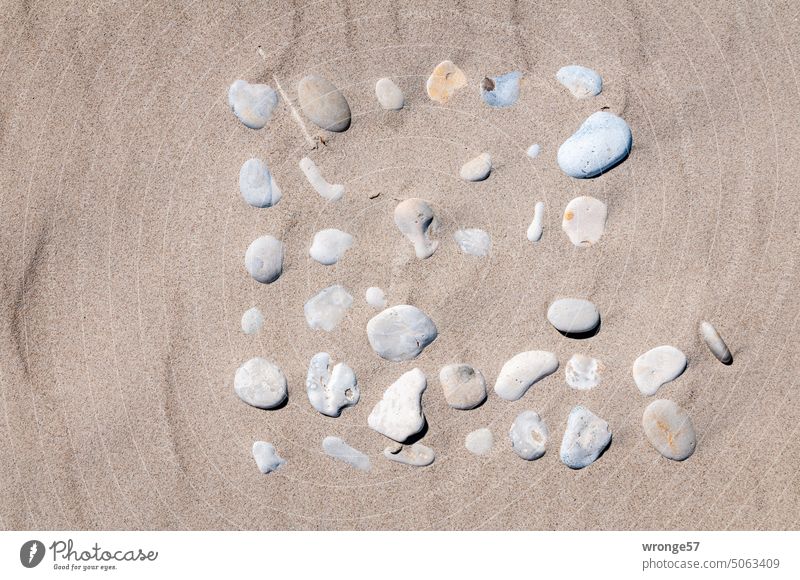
x=123 y=284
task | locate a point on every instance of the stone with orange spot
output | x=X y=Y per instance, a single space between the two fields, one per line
x=584 y=220
x=669 y=429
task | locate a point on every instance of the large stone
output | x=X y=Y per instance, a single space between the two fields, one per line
x=257 y=184
x=584 y=220
x=501 y=91
x=264 y=259
x=657 y=367
x=400 y=333
x=600 y=143
x=323 y=103
x=415 y=219
x=464 y=387
x=398 y=415
x=573 y=315
x=669 y=429
x=582 y=82
x=260 y=383
x=266 y=457
x=444 y=81
x=523 y=370
x=252 y=104
x=389 y=95
x=330 y=389
x=529 y=435
x=585 y=438
x=327 y=308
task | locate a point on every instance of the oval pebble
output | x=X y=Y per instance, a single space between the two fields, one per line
x=523 y=370
x=715 y=343
x=260 y=383
x=323 y=103
x=473 y=241
x=477 y=169
x=329 y=389
x=573 y=316
x=500 y=92
x=257 y=184
x=415 y=219
x=252 y=104
x=585 y=438
x=584 y=220
x=479 y=442
x=445 y=80
x=266 y=457
x=252 y=320
x=398 y=415
x=582 y=82
x=329 y=246
x=669 y=429
x=529 y=435
x=400 y=333
x=600 y=143
x=336 y=448
x=389 y=95
x=657 y=367
x=327 y=308
x=583 y=372
x=375 y=297
x=416 y=455
x=533 y=151
x=464 y=387
x=264 y=259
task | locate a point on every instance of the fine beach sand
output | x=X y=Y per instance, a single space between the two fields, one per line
x=123 y=235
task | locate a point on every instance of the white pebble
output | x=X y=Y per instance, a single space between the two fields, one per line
x=330 y=390
x=523 y=370
x=257 y=184
x=400 y=333
x=331 y=192
x=533 y=151
x=600 y=143
x=529 y=436
x=573 y=315
x=477 y=168
x=375 y=297
x=266 y=457
x=445 y=80
x=260 y=383
x=474 y=242
x=327 y=308
x=415 y=220
x=479 y=442
x=537 y=225
x=417 y=455
x=715 y=343
x=323 y=103
x=669 y=429
x=264 y=259
x=252 y=320
x=464 y=387
x=252 y=104
x=585 y=438
x=330 y=245
x=657 y=367
x=584 y=220
x=389 y=95
x=582 y=82
x=398 y=415
x=583 y=372
x=341 y=451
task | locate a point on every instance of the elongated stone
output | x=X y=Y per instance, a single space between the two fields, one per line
x=330 y=191
x=416 y=455
x=657 y=367
x=529 y=435
x=400 y=333
x=415 y=219
x=583 y=372
x=331 y=389
x=252 y=104
x=323 y=103
x=266 y=457
x=336 y=448
x=257 y=184
x=715 y=343
x=585 y=438
x=464 y=387
x=584 y=220
x=264 y=259
x=328 y=308
x=582 y=82
x=523 y=370
x=573 y=315
x=329 y=246
x=537 y=225
x=445 y=80
x=398 y=415
x=477 y=169
x=389 y=95
x=260 y=383
x=600 y=143
x=474 y=242
x=480 y=441
x=669 y=429
x=502 y=91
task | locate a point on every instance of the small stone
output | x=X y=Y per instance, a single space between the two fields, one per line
x=264 y=259
x=398 y=415
x=479 y=442
x=533 y=151
x=330 y=191
x=252 y=321
x=464 y=387
x=445 y=80
x=477 y=169
x=537 y=225
x=330 y=390
x=600 y=143
x=417 y=455
x=715 y=343
x=583 y=372
x=400 y=333
x=266 y=457
x=330 y=245
x=260 y=383
x=529 y=435
x=474 y=242
x=341 y=451
x=375 y=297
x=582 y=82
x=573 y=316
x=323 y=103
x=585 y=438
x=502 y=91
x=657 y=367
x=415 y=220
x=327 y=308
x=257 y=184
x=584 y=220
x=252 y=104
x=523 y=370
x=669 y=429
x=389 y=95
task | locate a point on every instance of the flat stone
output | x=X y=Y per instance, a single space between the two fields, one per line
x=266 y=457
x=400 y=333
x=445 y=80
x=479 y=442
x=536 y=228
x=330 y=245
x=330 y=389
x=584 y=220
x=336 y=448
x=523 y=370
x=582 y=82
x=375 y=297
x=669 y=429
x=252 y=104
x=583 y=372
x=529 y=436
x=389 y=95
x=264 y=259
x=657 y=367
x=585 y=438
x=252 y=320
x=715 y=343
x=257 y=184
x=477 y=169
x=398 y=415
x=573 y=315
x=327 y=308
x=323 y=103
x=600 y=143
x=416 y=455
x=260 y=383
x=330 y=191
x=464 y=387
x=502 y=91
x=415 y=219
x=474 y=242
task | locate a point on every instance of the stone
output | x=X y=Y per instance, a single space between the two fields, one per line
x=464 y=387
x=252 y=104
x=329 y=246
x=584 y=220
x=264 y=259
x=330 y=191
x=389 y=95
x=601 y=142
x=252 y=320
x=266 y=457
x=416 y=455
x=260 y=383
x=330 y=389
x=715 y=343
x=477 y=169
x=474 y=242
x=398 y=415
x=573 y=315
x=533 y=151
x=416 y=221
x=587 y=436
x=323 y=103
x=529 y=436
x=257 y=184
x=400 y=333
x=375 y=297
x=521 y=371
x=669 y=429
x=500 y=92
x=583 y=372
x=327 y=308
x=657 y=367
x=582 y=82
x=479 y=442
x=537 y=225
x=341 y=451
x=444 y=81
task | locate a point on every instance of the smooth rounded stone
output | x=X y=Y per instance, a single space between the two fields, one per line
x=583 y=372
x=415 y=219
x=252 y=104
x=600 y=143
x=400 y=333
x=341 y=451
x=529 y=435
x=585 y=438
x=327 y=308
x=252 y=320
x=479 y=442
x=477 y=169
x=416 y=455
x=500 y=92
x=264 y=259
x=584 y=220
x=533 y=151
x=657 y=367
x=464 y=387
x=330 y=390
x=398 y=415
x=266 y=457
x=715 y=343
x=330 y=191
x=260 y=383
x=323 y=103
x=474 y=242
x=669 y=429
x=582 y=82
x=523 y=370
x=445 y=80
x=537 y=225
x=573 y=315
x=389 y=95
x=375 y=297
x=330 y=245
x=257 y=184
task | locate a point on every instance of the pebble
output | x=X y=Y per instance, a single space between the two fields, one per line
x=417 y=455
x=415 y=220
x=266 y=457
x=584 y=220
x=522 y=370
x=582 y=82
x=400 y=333
x=477 y=168
x=537 y=225
x=330 y=191
x=252 y=320
x=330 y=390
x=657 y=367
x=323 y=103
x=338 y=449
x=583 y=372
x=602 y=141
x=252 y=104
x=573 y=315
x=715 y=343
x=533 y=151
x=445 y=80
x=398 y=415
x=464 y=387
x=375 y=297
x=260 y=383
x=669 y=429
x=585 y=438
x=529 y=435
x=257 y=184
x=502 y=91
x=479 y=442
x=330 y=245
x=474 y=242
x=264 y=259
x=389 y=95
x=328 y=308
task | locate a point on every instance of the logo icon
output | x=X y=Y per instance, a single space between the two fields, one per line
x=31 y=553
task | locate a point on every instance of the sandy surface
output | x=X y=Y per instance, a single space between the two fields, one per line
x=123 y=234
